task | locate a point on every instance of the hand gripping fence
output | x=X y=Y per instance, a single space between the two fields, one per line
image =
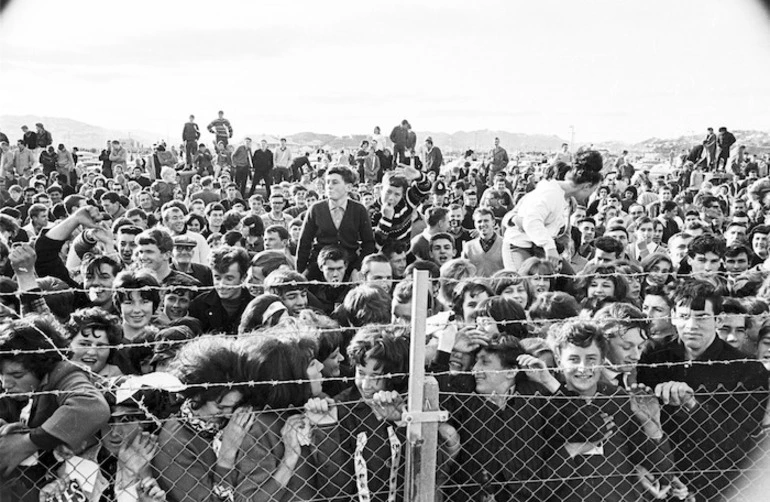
x=448 y=443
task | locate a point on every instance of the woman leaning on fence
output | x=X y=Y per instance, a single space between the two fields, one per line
x=275 y=460
x=33 y=360
x=190 y=463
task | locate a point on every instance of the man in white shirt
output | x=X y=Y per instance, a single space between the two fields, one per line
x=38 y=220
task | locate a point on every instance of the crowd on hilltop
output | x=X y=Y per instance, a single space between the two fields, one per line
x=597 y=328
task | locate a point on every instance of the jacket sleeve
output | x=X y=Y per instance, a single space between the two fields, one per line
x=183 y=472
x=260 y=460
x=309 y=230
x=197 y=132
x=368 y=245
x=80 y=404
x=723 y=428
x=417 y=191
x=48 y=261
x=333 y=457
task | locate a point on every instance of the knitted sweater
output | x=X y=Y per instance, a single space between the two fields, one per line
x=399 y=227
x=221 y=127
x=486 y=263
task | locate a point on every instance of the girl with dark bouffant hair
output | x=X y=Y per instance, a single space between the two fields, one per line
x=137 y=297
x=539 y=219
x=188 y=467
x=273 y=464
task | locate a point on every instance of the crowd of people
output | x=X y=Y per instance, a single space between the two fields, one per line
x=233 y=322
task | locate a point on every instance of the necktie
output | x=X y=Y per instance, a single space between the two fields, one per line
x=337 y=214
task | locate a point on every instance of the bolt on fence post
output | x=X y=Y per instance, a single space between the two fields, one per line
x=420 y=479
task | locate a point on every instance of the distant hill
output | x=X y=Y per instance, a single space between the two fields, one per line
x=755 y=141
x=75 y=133
x=459 y=141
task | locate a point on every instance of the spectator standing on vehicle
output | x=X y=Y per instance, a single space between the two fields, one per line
x=118 y=155
x=710 y=145
x=499 y=159
x=44 y=139
x=263 y=162
x=221 y=128
x=433 y=157
x=282 y=163
x=242 y=163
x=190 y=135
x=725 y=139
x=399 y=137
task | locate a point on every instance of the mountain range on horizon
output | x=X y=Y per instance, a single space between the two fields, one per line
x=75 y=133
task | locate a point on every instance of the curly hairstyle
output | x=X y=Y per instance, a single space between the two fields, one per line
x=29 y=342
x=94 y=318
x=579 y=333
x=388 y=347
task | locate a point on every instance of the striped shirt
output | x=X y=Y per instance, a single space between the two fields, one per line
x=399 y=227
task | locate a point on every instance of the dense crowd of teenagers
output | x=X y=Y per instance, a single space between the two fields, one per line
x=230 y=321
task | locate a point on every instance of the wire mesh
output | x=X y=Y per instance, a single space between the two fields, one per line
x=525 y=445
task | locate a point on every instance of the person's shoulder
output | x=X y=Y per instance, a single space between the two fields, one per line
x=64 y=370
x=205 y=298
x=317 y=206
x=529 y=388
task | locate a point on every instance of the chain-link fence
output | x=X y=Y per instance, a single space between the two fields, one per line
x=526 y=445
x=533 y=442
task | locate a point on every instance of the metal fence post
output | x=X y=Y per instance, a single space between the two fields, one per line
x=422 y=422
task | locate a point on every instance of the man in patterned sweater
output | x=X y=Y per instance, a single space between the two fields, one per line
x=221 y=128
x=402 y=191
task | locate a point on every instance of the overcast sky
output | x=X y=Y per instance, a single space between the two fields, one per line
x=614 y=69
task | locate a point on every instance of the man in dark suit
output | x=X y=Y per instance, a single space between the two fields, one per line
x=710 y=144
x=262 y=160
x=725 y=140
x=337 y=221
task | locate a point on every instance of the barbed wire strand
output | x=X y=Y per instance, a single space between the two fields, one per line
x=347 y=379
x=261 y=331
x=290 y=284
